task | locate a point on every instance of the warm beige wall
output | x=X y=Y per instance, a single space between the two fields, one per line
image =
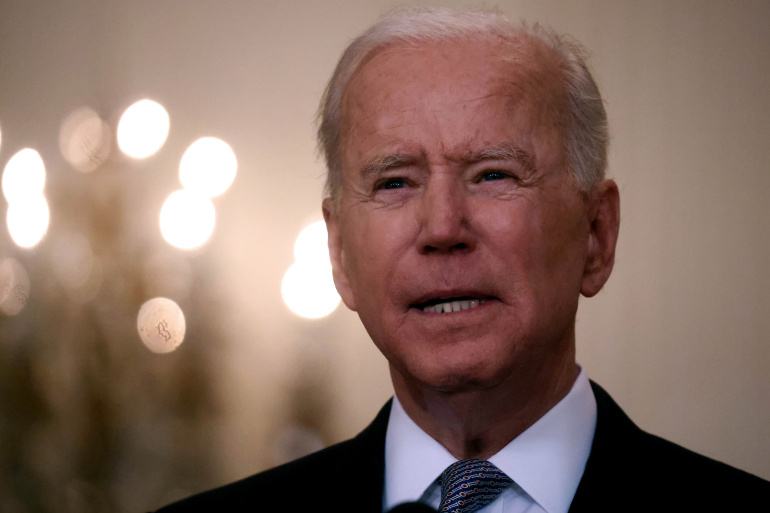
x=679 y=336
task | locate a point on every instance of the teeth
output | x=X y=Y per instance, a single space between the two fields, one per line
x=454 y=306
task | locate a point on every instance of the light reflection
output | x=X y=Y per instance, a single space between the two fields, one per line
x=14 y=286
x=84 y=140
x=161 y=325
x=208 y=167
x=143 y=129
x=28 y=220
x=24 y=176
x=187 y=219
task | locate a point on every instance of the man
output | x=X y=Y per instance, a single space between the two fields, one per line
x=467 y=211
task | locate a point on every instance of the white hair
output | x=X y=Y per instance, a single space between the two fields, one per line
x=586 y=140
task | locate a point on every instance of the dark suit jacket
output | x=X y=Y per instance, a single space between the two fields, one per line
x=628 y=470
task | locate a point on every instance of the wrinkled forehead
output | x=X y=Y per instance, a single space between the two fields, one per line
x=523 y=69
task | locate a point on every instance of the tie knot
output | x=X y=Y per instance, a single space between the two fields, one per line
x=468 y=485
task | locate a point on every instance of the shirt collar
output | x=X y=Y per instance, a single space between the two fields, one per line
x=413 y=460
x=546 y=461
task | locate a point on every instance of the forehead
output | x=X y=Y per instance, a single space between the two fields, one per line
x=475 y=83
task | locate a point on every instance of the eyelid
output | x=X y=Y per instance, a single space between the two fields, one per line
x=383 y=181
x=505 y=173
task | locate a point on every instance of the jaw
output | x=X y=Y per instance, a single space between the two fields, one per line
x=474 y=414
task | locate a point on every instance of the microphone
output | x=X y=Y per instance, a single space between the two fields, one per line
x=412 y=507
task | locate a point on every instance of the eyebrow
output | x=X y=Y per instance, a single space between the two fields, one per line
x=382 y=163
x=502 y=151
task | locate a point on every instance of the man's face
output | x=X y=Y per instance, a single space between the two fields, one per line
x=460 y=240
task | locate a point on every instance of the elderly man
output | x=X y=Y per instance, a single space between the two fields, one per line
x=467 y=211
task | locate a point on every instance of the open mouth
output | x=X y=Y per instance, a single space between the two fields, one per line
x=449 y=305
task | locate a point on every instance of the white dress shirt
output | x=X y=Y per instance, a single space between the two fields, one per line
x=545 y=462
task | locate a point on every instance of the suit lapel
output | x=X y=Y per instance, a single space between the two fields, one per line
x=367 y=460
x=604 y=485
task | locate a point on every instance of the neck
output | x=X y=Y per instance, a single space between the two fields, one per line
x=477 y=423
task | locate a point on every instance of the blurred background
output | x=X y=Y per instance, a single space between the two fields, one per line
x=166 y=323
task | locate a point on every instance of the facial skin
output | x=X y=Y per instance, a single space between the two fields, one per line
x=455 y=189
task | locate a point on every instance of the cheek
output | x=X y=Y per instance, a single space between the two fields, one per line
x=543 y=244
x=358 y=261
x=374 y=246
x=562 y=254
x=515 y=233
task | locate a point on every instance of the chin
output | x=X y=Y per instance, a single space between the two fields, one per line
x=458 y=377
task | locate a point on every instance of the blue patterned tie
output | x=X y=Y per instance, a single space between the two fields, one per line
x=469 y=485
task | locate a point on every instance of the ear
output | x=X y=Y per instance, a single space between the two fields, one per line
x=337 y=253
x=604 y=212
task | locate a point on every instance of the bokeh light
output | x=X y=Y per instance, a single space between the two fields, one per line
x=187 y=219
x=307 y=287
x=143 y=129
x=24 y=176
x=84 y=140
x=309 y=291
x=28 y=220
x=311 y=243
x=161 y=325
x=14 y=286
x=208 y=167
x=76 y=267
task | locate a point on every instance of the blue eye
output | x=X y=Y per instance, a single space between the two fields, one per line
x=493 y=175
x=392 y=183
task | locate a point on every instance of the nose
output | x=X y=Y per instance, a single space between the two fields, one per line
x=445 y=216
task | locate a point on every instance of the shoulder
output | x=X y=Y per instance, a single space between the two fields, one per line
x=628 y=466
x=357 y=463
x=307 y=475
x=682 y=469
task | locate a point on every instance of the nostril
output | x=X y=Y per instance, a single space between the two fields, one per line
x=460 y=246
